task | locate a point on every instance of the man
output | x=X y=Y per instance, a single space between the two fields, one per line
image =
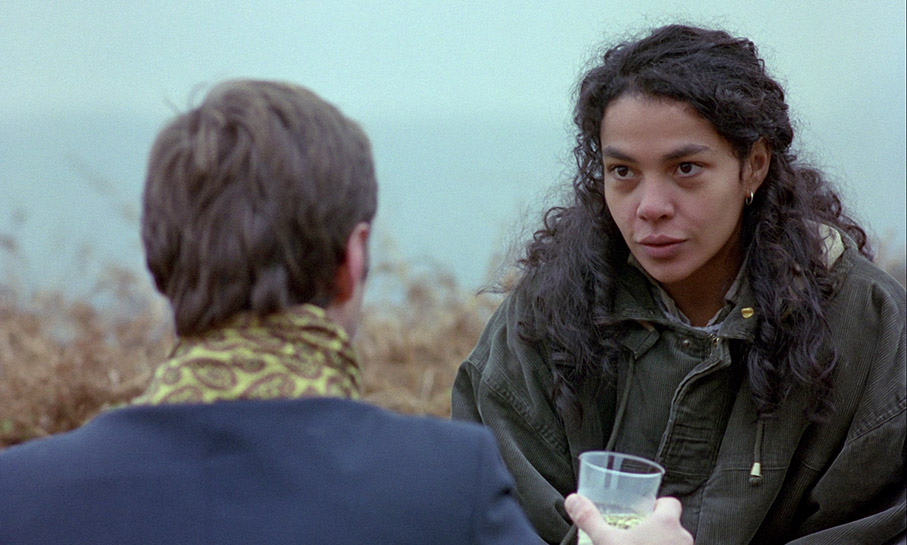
x=255 y=222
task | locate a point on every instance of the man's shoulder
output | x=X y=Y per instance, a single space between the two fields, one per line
x=188 y=430
x=357 y=418
x=284 y=460
x=312 y=441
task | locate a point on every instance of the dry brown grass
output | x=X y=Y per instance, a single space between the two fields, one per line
x=63 y=361
x=412 y=344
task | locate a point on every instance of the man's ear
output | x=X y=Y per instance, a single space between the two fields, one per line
x=352 y=272
x=757 y=163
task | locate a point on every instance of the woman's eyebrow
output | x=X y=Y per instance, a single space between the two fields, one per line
x=614 y=153
x=683 y=151
x=691 y=149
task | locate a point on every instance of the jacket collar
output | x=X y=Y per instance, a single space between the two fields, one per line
x=635 y=302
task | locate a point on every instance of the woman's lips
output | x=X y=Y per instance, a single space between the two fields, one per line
x=660 y=247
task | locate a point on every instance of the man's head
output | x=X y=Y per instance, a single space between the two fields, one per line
x=257 y=200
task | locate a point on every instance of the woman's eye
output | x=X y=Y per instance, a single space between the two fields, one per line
x=621 y=172
x=688 y=169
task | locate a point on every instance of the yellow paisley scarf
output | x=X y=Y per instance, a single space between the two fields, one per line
x=293 y=354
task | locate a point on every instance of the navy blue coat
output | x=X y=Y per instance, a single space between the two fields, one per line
x=314 y=471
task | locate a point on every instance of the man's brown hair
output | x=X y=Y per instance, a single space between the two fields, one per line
x=249 y=200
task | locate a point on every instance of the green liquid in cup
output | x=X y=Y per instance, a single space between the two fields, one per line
x=622 y=521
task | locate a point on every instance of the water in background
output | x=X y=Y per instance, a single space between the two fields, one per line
x=451 y=196
x=455 y=194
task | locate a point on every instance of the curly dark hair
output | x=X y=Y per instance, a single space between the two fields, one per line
x=570 y=266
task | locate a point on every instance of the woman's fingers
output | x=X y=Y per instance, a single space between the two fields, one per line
x=662 y=527
x=581 y=510
x=668 y=506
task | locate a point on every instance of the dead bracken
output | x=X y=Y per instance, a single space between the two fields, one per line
x=63 y=361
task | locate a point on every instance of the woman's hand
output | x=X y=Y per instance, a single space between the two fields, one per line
x=662 y=527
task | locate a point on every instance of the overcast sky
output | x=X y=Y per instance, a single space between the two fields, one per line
x=389 y=63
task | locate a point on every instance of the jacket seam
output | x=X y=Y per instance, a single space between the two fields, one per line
x=519 y=407
x=869 y=425
x=881 y=420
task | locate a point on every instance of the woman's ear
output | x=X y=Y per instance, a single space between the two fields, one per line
x=756 y=165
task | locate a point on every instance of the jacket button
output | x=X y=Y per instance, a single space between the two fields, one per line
x=685 y=343
x=747 y=312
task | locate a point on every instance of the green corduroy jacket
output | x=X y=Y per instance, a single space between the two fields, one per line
x=841 y=482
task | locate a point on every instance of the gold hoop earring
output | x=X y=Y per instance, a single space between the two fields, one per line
x=749 y=199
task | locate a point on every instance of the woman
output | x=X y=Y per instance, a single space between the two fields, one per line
x=705 y=302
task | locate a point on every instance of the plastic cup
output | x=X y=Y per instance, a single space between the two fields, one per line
x=622 y=486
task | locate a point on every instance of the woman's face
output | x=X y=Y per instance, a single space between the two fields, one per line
x=676 y=190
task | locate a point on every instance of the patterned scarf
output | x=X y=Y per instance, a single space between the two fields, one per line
x=293 y=354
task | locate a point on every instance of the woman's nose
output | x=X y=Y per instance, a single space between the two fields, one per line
x=655 y=201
